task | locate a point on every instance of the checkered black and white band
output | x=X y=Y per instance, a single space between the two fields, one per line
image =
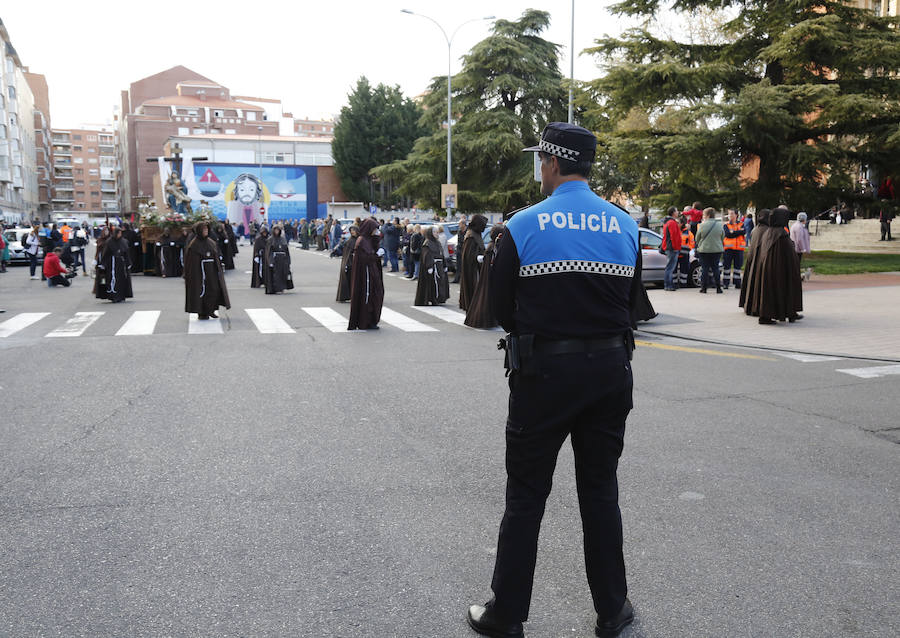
x=572 y=265
x=559 y=151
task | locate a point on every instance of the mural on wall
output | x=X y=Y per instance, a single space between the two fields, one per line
x=238 y=192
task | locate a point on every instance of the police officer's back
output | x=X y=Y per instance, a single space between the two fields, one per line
x=564 y=278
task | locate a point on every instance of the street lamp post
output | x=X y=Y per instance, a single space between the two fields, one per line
x=449 y=76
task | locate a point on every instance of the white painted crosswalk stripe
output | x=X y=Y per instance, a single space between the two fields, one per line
x=267 y=321
x=21 y=321
x=807 y=358
x=141 y=322
x=443 y=313
x=871 y=373
x=205 y=327
x=76 y=326
x=329 y=318
x=406 y=324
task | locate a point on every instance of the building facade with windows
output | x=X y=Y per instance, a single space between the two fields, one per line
x=85 y=170
x=19 y=198
x=43 y=145
x=314 y=128
x=175 y=102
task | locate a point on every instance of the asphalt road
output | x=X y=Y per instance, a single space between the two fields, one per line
x=351 y=484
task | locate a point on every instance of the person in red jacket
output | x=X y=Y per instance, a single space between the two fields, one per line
x=694 y=216
x=671 y=245
x=54 y=271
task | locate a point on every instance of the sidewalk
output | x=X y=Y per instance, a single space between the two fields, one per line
x=843 y=315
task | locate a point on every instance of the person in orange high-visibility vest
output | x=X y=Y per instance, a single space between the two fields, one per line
x=684 y=255
x=66 y=232
x=733 y=257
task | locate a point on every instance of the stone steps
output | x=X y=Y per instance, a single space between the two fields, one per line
x=859 y=236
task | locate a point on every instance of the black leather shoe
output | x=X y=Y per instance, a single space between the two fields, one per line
x=612 y=627
x=765 y=321
x=795 y=318
x=483 y=619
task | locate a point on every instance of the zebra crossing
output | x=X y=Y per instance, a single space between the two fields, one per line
x=263 y=320
x=867 y=372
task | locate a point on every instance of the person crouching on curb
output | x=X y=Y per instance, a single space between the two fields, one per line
x=54 y=271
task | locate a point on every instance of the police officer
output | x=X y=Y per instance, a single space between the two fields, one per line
x=564 y=279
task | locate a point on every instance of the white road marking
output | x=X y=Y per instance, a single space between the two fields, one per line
x=76 y=326
x=871 y=373
x=443 y=313
x=267 y=321
x=19 y=322
x=406 y=324
x=141 y=322
x=807 y=358
x=329 y=318
x=206 y=327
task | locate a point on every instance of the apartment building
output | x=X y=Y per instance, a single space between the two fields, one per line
x=175 y=102
x=19 y=198
x=313 y=128
x=881 y=7
x=43 y=146
x=85 y=170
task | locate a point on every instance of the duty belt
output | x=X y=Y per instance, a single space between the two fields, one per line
x=571 y=346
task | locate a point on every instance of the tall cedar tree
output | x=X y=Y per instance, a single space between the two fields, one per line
x=509 y=88
x=807 y=88
x=377 y=126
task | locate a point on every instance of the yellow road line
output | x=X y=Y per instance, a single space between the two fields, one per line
x=716 y=353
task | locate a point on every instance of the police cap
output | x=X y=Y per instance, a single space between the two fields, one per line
x=566 y=141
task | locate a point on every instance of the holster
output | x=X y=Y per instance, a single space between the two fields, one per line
x=519 y=353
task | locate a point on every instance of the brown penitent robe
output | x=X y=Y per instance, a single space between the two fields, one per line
x=472 y=247
x=434 y=285
x=480 y=314
x=343 y=290
x=204 y=277
x=278 y=263
x=366 y=285
x=771 y=287
x=113 y=269
x=232 y=240
x=258 y=272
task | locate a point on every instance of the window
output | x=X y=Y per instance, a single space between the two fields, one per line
x=324 y=128
x=92 y=171
x=91 y=138
x=251 y=116
x=79 y=182
x=650 y=241
x=230 y=131
x=76 y=137
x=199 y=131
x=92 y=150
x=95 y=193
x=192 y=112
x=92 y=160
x=183 y=130
x=79 y=193
x=95 y=183
x=79 y=171
x=76 y=148
x=80 y=204
x=217 y=113
x=12 y=92
x=78 y=160
x=2 y=131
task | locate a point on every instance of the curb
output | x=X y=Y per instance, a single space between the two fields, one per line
x=767 y=348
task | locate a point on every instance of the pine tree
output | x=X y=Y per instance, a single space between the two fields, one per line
x=800 y=94
x=377 y=126
x=508 y=89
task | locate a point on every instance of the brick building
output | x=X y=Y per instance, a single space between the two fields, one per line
x=313 y=128
x=175 y=102
x=42 y=143
x=84 y=170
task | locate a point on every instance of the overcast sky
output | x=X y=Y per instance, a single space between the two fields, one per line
x=307 y=53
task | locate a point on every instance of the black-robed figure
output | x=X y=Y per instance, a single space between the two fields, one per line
x=434 y=285
x=113 y=269
x=168 y=255
x=343 y=290
x=204 y=278
x=278 y=263
x=257 y=276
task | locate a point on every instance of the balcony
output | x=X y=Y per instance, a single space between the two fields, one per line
x=61 y=199
x=61 y=161
x=108 y=189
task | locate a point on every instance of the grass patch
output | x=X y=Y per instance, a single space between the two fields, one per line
x=829 y=262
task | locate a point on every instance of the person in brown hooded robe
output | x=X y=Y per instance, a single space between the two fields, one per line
x=472 y=248
x=257 y=274
x=343 y=291
x=771 y=288
x=366 y=285
x=434 y=285
x=480 y=315
x=113 y=269
x=204 y=277
x=278 y=263
x=223 y=244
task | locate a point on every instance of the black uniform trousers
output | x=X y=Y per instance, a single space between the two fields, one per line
x=586 y=395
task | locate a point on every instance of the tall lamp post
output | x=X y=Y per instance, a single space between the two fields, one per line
x=449 y=76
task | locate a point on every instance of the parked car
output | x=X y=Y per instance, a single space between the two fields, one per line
x=14 y=237
x=654 y=264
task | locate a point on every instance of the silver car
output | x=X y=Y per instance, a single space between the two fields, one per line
x=654 y=264
x=14 y=237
